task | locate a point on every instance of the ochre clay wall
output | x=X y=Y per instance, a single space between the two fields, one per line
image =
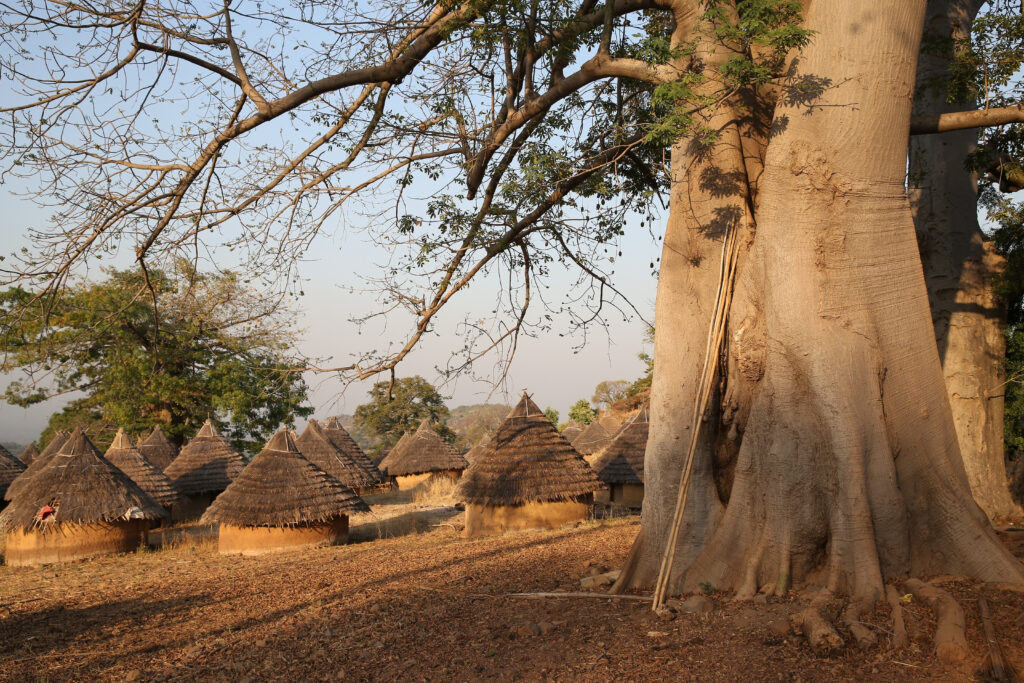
x=489 y=520
x=628 y=494
x=603 y=494
x=256 y=540
x=68 y=542
x=193 y=507
x=411 y=481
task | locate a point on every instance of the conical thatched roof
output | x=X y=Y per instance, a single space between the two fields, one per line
x=526 y=460
x=158 y=449
x=10 y=468
x=52 y=448
x=82 y=487
x=127 y=458
x=392 y=455
x=344 y=442
x=473 y=453
x=622 y=461
x=29 y=454
x=281 y=488
x=424 y=452
x=322 y=451
x=592 y=439
x=207 y=464
x=572 y=430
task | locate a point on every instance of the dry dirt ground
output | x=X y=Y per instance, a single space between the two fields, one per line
x=428 y=605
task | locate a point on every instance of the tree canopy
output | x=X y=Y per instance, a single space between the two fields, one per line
x=143 y=348
x=581 y=412
x=400 y=407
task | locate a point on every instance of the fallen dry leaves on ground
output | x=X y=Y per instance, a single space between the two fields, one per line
x=425 y=606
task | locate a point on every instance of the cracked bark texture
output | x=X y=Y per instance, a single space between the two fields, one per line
x=846 y=469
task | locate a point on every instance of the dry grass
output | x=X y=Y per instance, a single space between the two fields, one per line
x=440 y=490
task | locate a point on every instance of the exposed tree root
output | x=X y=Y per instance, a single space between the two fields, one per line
x=818 y=631
x=899 y=628
x=864 y=636
x=950 y=641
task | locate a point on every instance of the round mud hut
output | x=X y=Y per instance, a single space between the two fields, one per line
x=127 y=458
x=78 y=505
x=29 y=454
x=158 y=449
x=343 y=441
x=205 y=467
x=593 y=438
x=620 y=466
x=325 y=453
x=10 y=469
x=473 y=453
x=52 y=448
x=425 y=457
x=282 y=501
x=529 y=477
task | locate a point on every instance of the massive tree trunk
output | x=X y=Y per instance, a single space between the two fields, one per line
x=844 y=467
x=959 y=265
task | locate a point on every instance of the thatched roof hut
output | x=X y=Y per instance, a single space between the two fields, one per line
x=425 y=455
x=317 y=446
x=207 y=464
x=393 y=454
x=77 y=505
x=52 y=448
x=344 y=442
x=158 y=449
x=621 y=464
x=572 y=430
x=282 y=500
x=473 y=453
x=29 y=454
x=529 y=476
x=592 y=439
x=127 y=458
x=10 y=468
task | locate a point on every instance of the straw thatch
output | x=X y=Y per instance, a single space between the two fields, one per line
x=10 y=468
x=473 y=453
x=52 y=448
x=282 y=488
x=127 y=458
x=572 y=430
x=82 y=488
x=424 y=452
x=207 y=464
x=158 y=449
x=29 y=454
x=622 y=462
x=592 y=439
x=317 y=446
x=392 y=455
x=527 y=460
x=344 y=442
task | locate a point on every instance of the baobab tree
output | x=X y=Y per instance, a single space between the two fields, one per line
x=799 y=416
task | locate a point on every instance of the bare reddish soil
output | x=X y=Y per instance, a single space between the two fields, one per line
x=426 y=606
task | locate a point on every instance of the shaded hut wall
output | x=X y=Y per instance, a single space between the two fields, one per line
x=490 y=520
x=69 y=542
x=627 y=494
x=603 y=494
x=193 y=507
x=411 y=481
x=257 y=540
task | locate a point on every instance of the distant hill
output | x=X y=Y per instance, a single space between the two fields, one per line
x=473 y=423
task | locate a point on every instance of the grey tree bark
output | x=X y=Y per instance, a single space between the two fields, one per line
x=844 y=467
x=959 y=265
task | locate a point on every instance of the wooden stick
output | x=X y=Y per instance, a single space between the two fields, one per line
x=998 y=667
x=715 y=334
x=603 y=596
